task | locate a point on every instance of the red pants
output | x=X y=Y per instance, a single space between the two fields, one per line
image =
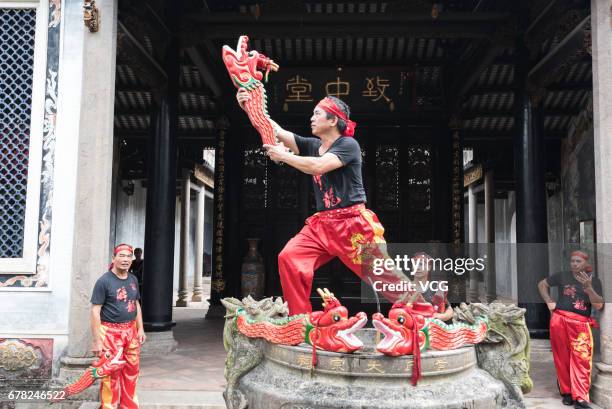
x=118 y=390
x=348 y=234
x=572 y=346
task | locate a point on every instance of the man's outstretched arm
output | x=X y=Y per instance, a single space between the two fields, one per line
x=308 y=164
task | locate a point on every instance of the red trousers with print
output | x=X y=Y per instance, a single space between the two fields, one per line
x=353 y=234
x=118 y=389
x=572 y=347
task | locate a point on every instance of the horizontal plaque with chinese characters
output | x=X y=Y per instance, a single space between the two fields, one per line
x=366 y=90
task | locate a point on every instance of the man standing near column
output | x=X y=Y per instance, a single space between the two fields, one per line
x=116 y=325
x=342 y=227
x=571 y=339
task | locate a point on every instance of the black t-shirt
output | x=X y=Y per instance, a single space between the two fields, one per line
x=117 y=297
x=342 y=187
x=571 y=295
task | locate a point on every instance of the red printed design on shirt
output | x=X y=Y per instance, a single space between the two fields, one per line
x=580 y=305
x=329 y=199
x=133 y=285
x=570 y=291
x=317 y=179
x=121 y=294
x=131 y=306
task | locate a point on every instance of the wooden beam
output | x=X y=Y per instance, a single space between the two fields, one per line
x=510 y=88
x=181 y=135
x=447 y=25
x=570 y=50
x=182 y=113
x=205 y=71
x=490 y=136
x=470 y=71
x=486 y=113
x=554 y=20
x=183 y=90
x=134 y=54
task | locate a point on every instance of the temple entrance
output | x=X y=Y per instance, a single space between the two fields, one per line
x=426 y=82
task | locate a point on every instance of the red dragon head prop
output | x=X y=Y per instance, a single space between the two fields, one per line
x=398 y=329
x=244 y=65
x=244 y=68
x=333 y=329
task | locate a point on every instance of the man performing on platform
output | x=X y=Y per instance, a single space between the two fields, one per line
x=571 y=339
x=117 y=330
x=343 y=226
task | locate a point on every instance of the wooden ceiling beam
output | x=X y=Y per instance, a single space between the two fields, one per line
x=231 y=25
x=486 y=113
x=558 y=17
x=570 y=50
x=181 y=135
x=132 y=52
x=205 y=70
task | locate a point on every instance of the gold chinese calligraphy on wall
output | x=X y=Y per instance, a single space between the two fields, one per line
x=366 y=90
x=298 y=89
x=375 y=90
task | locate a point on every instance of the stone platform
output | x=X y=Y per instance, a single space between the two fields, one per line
x=370 y=379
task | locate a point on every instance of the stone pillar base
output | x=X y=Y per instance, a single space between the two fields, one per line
x=197 y=295
x=541 y=351
x=215 y=312
x=159 y=343
x=182 y=298
x=601 y=390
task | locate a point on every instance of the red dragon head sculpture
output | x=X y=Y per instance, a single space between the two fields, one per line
x=333 y=329
x=399 y=328
x=244 y=65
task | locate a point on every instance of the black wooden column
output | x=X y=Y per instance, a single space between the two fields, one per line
x=531 y=215
x=220 y=240
x=161 y=199
x=458 y=284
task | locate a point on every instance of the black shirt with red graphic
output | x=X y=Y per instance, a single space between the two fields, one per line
x=118 y=297
x=342 y=187
x=571 y=295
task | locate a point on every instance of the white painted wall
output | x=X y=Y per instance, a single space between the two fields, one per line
x=44 y=313
x=130 y=216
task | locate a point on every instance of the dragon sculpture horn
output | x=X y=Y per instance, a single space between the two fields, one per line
x=329 y=299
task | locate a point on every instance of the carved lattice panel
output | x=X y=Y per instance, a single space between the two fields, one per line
x=17 y=28
x=387 y=177
x=419 y=178
x=254 y=179
x=428 y=88
x=286 y=181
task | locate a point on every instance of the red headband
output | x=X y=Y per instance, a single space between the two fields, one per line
x=122 y=247
x=328 y=105
x=580 y=254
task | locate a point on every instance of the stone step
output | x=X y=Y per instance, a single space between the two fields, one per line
x=159 y=399
x=540 y=350
x=150 y=399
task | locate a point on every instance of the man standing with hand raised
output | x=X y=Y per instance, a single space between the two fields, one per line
x=571 y=339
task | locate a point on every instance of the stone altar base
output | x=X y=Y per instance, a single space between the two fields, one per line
x=368 y=379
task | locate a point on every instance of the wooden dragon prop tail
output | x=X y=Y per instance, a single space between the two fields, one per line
x=244 y=68
x=104 y=366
